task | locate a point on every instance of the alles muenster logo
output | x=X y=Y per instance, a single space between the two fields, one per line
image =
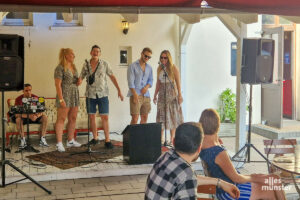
x=272 y=183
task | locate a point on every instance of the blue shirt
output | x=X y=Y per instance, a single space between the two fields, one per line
x=138 y=79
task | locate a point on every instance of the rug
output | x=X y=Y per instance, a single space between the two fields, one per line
x=65 y=160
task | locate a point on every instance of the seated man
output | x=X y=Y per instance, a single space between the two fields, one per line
x=21 y=119
x=172 y=176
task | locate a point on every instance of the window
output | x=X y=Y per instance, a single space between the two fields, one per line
x=18 y=19
x=68 y=19
x=268 y=19
x=271 y=21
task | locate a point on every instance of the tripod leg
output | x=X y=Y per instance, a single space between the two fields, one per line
x=242 y=149
x=264 y=157
x=27 y=176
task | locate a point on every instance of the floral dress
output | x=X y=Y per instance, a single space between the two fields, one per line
x=174 y=115
x=70 y=90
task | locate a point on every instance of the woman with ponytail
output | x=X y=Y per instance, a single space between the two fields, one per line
x=67 y=97
x=172 y=87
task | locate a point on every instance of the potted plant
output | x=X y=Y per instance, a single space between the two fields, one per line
x=227 y=106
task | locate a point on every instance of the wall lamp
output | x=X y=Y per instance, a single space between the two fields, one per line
x=125 y=26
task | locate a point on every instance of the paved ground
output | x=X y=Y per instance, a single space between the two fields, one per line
x=107 y=188
x=128 y=187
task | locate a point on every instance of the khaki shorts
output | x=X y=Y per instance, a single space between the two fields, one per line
x=143 y=106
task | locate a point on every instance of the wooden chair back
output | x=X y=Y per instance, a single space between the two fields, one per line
x=206 y=189
x=280 y=146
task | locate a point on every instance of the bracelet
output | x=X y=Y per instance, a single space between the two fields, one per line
x=218 y=183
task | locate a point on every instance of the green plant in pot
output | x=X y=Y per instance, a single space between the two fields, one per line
x=227 y=106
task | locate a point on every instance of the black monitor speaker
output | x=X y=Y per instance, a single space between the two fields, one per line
x=257 y=61
x=142 y=143
x=11 y=62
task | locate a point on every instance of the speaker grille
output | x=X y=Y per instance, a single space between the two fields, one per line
x=11 y=73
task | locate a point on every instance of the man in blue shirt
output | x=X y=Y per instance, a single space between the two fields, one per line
x=140 y=79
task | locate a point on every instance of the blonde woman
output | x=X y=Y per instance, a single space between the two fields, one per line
x=67 y=97
x=174 y=115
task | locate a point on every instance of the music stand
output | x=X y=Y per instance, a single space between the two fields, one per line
x=248 y=144
x=7 y=162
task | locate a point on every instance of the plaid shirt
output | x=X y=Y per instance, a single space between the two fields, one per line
x=171 y=178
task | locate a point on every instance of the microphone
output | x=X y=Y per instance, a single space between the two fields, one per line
x=162 y=65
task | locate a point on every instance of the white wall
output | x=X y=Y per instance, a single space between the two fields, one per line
x=208 y=67
x=297 y=70
x=41 y=57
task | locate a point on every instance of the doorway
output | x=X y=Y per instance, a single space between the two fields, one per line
x=287 y=77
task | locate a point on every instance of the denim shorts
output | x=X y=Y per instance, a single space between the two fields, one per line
x=103 y=105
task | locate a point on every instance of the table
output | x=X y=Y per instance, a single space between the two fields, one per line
x=289 y=167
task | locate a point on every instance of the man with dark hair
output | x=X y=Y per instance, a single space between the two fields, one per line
x=97 y=92
x=21 y=119
x=140 y=79
x=172 y=176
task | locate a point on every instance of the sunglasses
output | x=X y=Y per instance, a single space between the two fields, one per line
x=165 y=58
x=147 y=56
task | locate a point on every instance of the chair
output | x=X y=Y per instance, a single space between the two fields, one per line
x=206 y=189
x=279 y=147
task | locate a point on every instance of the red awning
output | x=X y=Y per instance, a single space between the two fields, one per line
x=278 y=7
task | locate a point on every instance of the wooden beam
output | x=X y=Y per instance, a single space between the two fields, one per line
x=231 y=24
x=246 y=18
x=190 y=18
x=2 y=15
x=131 y=18
x=116 y=9
x=185 y=30
x=241 y=93
x=294 y=19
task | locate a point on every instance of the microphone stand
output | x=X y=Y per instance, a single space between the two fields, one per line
x=89 y=149
x=165 y=98
x=28 y=146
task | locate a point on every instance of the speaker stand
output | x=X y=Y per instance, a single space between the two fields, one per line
x=7 y=162
x=248 y=144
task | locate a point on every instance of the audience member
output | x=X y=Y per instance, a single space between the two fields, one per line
x=220 y=165
x=172 y=176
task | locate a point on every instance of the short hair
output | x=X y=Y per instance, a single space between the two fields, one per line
x=147 y=49
x=210 y=121
x=95 y=46
x=27 y=85
x=188 y=137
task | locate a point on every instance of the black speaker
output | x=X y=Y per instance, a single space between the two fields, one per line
x=11 y=62
x=142 y=143
x=257 y=60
